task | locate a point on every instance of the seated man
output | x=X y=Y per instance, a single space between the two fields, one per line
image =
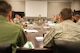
x=55 y=19
x=76 y=18
x=18 y=19
x=10 y=33
x=66 y=30
x=78 y=21
x=39 y=20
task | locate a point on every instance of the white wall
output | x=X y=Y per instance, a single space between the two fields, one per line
x=17 y=5
x=55 y=7
x=36 y=8
x=44 y=8
x=75 y=5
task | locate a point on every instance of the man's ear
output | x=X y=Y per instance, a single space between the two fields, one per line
x=72 y=18
x=9 y=15
x=60 y=18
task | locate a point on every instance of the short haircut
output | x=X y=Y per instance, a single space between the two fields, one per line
x=66 y=13
x=4 y=8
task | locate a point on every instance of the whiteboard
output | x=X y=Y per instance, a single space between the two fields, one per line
x=35 y=8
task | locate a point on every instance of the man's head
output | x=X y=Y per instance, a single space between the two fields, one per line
x=66 y=13
x=39 y=16
x=5 y=9
x=17 y=16
x=76 y=17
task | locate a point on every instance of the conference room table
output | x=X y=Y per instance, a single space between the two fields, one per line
x=38 y=32
x=31 y=36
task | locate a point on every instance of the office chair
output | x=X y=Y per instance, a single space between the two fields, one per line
x=67 y=46
x=5 y=48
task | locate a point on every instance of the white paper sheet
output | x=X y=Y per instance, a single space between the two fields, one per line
x=30 y=25
x=51 y=24
x=39 y=38
x=27 y=30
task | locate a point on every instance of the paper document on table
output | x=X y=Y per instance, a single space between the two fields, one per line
x=39 y=38
x=28 y=45
x=51 y=24
x=27 y=30
x=30 y=25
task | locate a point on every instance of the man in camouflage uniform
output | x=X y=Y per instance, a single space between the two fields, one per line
x=78 y=22
x=66 y=30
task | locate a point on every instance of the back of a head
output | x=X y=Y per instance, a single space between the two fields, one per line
x=4 y=8
x=66 y=13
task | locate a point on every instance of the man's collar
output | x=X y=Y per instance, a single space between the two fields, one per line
x=2 y=18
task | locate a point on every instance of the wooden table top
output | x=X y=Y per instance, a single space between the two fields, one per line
x=31 y=35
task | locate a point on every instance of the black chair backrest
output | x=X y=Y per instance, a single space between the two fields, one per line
x=67 y=46
x=5 y=48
